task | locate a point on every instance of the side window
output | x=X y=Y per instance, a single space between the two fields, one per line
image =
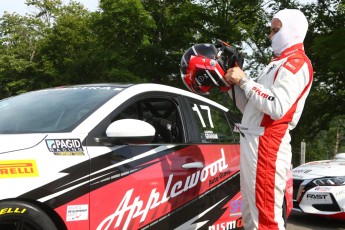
x=162 y=114
x=214 y=124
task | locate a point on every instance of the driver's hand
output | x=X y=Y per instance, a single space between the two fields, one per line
x=234 y=75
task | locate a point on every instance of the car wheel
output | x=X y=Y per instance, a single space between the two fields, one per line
x=18 y=215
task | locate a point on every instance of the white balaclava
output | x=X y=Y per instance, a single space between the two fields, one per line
x=293 y=30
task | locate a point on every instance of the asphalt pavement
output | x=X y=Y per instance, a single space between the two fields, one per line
x=301 y=221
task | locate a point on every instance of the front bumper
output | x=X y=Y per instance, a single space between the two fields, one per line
x=320 y=200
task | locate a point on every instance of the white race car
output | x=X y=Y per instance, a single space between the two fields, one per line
x=319 y=187
x=114 y=156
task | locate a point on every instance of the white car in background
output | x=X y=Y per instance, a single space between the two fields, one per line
x=319 y=187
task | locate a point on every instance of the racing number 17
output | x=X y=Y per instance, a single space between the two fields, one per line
x=203 y=107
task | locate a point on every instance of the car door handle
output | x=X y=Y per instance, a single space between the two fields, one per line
x=193 y=165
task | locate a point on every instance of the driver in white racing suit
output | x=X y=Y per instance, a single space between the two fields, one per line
x=271 y=107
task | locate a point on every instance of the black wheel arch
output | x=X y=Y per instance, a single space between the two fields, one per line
x=39 y=207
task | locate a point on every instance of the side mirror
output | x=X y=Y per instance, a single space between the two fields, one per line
x=128 y=131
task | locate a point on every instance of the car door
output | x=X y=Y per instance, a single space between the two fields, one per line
x=165 y=184
x=219 y=200
x=133 y=185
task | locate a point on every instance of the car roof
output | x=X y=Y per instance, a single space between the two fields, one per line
x=111 y=85
x=150 y=87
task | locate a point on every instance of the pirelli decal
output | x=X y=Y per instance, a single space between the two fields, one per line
x=12 y=210
x=18 y=169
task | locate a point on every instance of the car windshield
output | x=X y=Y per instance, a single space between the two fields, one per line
x=51 y=110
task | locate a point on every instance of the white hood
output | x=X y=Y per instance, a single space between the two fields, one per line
x=293 y=30
x=318 y=169
x=13 y=142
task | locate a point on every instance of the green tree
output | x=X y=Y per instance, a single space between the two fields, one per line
x=177 y=24
x=46 y=10
x=143 y=41
x=69 y=46
x=19 y=36
x=326 y=100
x=123 y=28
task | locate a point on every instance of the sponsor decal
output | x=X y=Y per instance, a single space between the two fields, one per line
x=18 y=168
x=316 y=196
x=258 y=131
x=4 y=211
x=236 y=208
x=288 y=64
x=227 y=225
x=131 y=208
x=291 y=52
x=322 y=188
x=210 y=135
x=319 y=198
x=216 y=178
x=77 y=212
x=65 y=147
x=305 y=171
x=262 y=94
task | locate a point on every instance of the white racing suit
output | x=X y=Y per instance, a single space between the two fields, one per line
x=271 y=108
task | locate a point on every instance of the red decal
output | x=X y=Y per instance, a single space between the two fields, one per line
x=294 y=63
x=262 y=94
x=135 y=206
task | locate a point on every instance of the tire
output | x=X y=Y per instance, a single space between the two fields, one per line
x=18 y=215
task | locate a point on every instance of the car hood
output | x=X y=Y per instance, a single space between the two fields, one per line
x=14 y=142
x=317 y=169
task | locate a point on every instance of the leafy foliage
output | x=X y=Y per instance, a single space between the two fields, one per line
x=326 y=102
x=143 y=41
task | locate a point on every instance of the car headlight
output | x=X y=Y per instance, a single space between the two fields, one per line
x=331 y=181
